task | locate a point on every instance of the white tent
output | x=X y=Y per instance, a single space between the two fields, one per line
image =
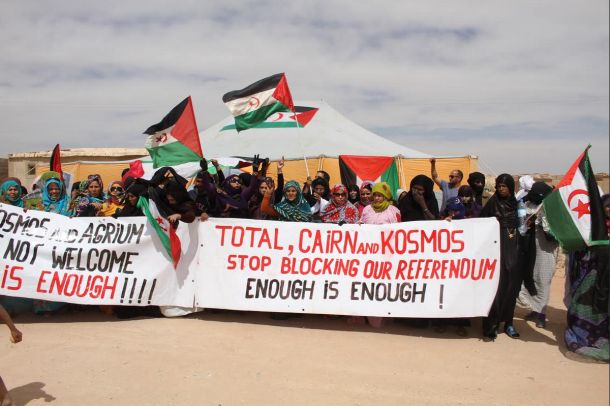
x=326 y=133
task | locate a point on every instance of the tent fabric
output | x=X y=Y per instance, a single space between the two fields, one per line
x=293 y=169
x=407 y=168
x=327 y=133
x=323 y=136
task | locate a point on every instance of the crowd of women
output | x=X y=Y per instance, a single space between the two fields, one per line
x=528 y=253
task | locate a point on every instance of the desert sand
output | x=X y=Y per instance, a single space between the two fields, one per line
x=231 y=358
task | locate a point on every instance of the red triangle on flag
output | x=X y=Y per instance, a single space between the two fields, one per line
x=282 y=93
x=185 y=129
x=569 y=176
x=367 y=167
x=305 y=117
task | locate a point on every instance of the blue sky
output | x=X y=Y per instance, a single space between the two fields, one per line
x=524 y=85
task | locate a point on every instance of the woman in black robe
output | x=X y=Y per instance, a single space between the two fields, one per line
x=503 y=206
x=420 y=202
x=134 y=188
x=476 y=180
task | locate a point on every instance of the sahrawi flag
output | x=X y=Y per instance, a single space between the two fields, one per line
x=175 y=140
x=355 y=169
x=574 y=210
x=255 y=103
x=165 y=231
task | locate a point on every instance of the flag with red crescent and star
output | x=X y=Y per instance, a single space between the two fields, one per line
x=574 y=209
x=257 y=102
x=163 y=228
x=175 y=139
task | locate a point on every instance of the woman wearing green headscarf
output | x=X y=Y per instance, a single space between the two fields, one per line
x=381 y=210
x=293 y=206
x=10 y=192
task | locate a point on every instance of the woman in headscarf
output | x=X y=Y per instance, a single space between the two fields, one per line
x=381 y=210
x=177 y=204
x=476 y=180
x=503 y=206
x=293 y=206
x=587 y=287
x=366 y=195
x=267 y=184
x=114 y=202
x=400 y=194
x=54 y=200
x=318 y=197
x=339 y=210
x=168 y=190
x=468 y=199
x=353 y=194
x=539 y=255
x=420 y=202
x=10 y=192
x=233 y=197
x=91 y=197
x=454 y=209
x=134 y=188
x=525 y=184
x=204 y=192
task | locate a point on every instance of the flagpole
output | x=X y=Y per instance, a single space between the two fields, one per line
x=294 y=115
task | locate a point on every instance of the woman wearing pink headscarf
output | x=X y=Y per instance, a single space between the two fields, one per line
x=366 y=195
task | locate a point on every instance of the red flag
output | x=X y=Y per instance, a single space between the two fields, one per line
x=135 y=170
x=55 y=164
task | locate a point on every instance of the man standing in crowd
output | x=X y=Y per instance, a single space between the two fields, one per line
x=450 y=189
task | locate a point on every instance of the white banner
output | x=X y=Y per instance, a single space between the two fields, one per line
x=96 y=260
x=417 y=269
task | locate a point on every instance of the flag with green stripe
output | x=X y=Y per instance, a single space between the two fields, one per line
x=355 y=169
x=253 y=104
x=574 y=210
x=175 y=139
x=163 y=228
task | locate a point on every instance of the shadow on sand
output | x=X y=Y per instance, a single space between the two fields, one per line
x=22 y=395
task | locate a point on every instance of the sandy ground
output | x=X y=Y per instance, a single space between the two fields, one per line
x=231 y=358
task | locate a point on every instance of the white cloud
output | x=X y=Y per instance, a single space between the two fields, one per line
x=87 y=73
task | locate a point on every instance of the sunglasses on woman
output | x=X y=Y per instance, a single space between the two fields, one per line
x=339 y=194
x=116 y=189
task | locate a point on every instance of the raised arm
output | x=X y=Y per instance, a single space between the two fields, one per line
x=266 y=206
x=434 y=173
x=219 y=173
x=279 y=190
